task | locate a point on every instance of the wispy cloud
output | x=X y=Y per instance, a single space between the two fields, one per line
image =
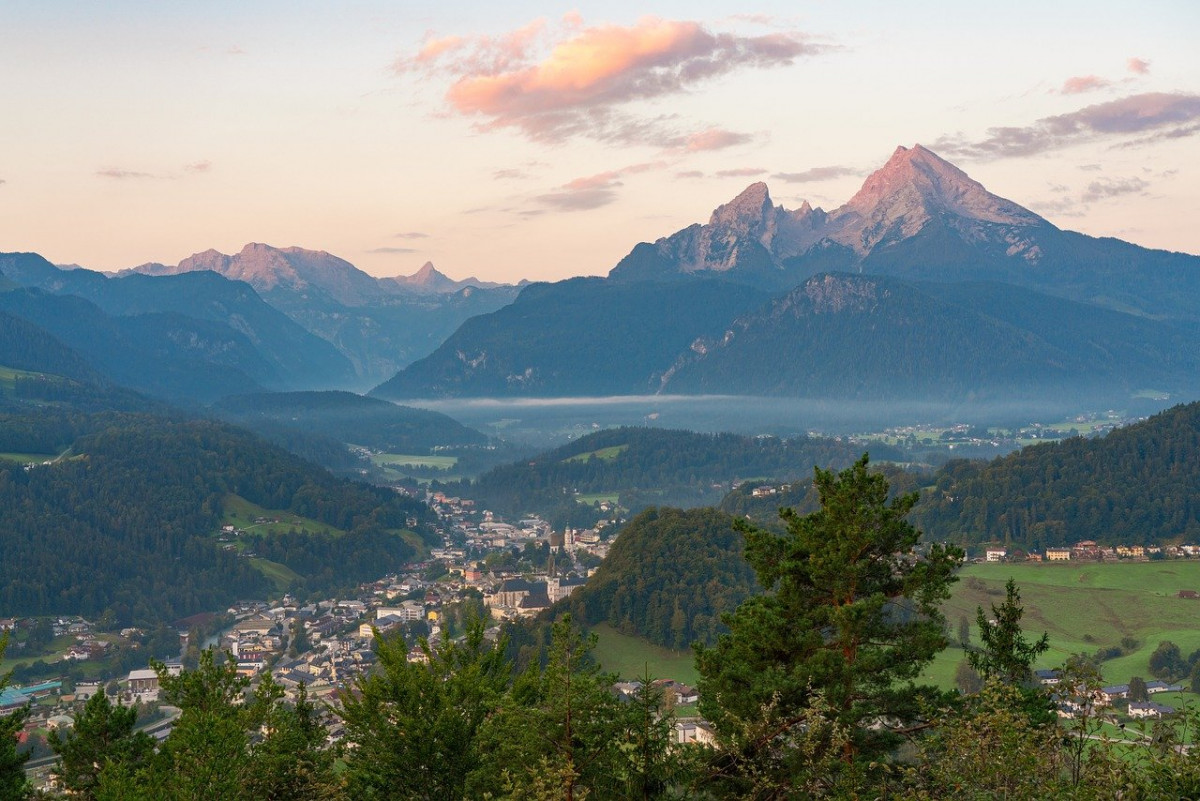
x=410 y=235
x=1084 y=83
x=126 y=174
x=234 y=50
x=741 y=172
x=706 y=140
x=593 y=191
x=1112 y=187
x=392 y=250
x=1138 y=66
x=815 y=174
x=556 y=82
x=510 y=174
x=1156 y=115
x=122 y=174
x=690 y=174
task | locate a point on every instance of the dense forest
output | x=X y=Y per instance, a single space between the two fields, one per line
x=1137 y=485
x=652 y=466
x=122 y=523
x=349 y=418
x=669 y=577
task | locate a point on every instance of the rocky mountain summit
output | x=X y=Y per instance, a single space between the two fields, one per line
x=913 y=191
x=290 y=270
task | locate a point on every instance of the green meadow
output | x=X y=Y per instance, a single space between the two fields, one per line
x=239 y=512
x=606 y=454
x=1083 y=607
x=629 y=657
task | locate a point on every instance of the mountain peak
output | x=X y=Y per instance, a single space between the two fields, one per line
x=428 y=274
x=914 y=186
x=751 y=206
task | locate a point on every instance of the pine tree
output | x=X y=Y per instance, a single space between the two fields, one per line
x=850 y=613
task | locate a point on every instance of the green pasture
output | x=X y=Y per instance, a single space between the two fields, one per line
x=237 y=511
x=607 y=454
x=589 y=498
x=282 y=575
x=28 y=458
x=1084 y=606
x=629 y=656
x=413 y=460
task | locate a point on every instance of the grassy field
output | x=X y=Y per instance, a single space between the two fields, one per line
x=282 y=575
x=590 y=498
x=1085 y=607
x=412 y=460
x=241 y=513
x=1082 y=606
x=28 y=458
x=629 y=656
x=397 y=466
x=606 y=454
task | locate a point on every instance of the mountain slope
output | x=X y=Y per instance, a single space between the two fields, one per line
x=126 y=524
x=868 y=337
x=296 y=357
x=583 y=336
x=166 y=355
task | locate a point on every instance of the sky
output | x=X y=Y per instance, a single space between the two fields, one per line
x=524 y=140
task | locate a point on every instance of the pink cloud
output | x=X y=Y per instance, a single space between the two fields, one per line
x=711 y=139
x=1084 y=83
x=199 y=166
x=1140 y=119
x=552 y=86
x=1139 y=66
x=593 y=191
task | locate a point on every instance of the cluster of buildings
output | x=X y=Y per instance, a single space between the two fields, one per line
x=1088 y=550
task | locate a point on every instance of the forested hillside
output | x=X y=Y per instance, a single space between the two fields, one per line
x=350 y=418
x=123 y=521
x=1138 y=485
x=801 y=495
x=653 y=466
x=669 y=577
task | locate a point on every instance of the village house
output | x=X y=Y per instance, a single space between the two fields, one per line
x=1149 y=709
x=995 y=554
x=1058 y=554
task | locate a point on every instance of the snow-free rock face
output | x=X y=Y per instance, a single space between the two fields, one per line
x=913 y=188
x=753 y=237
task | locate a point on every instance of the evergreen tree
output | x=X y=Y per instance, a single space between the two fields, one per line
x=415 y=724
x=562 y=733
x=1006 y=654
x=851 y=612
x=103 y=736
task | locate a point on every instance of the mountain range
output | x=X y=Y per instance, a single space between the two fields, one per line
x=379 y=324
x=924 y=285
x=920 y=217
